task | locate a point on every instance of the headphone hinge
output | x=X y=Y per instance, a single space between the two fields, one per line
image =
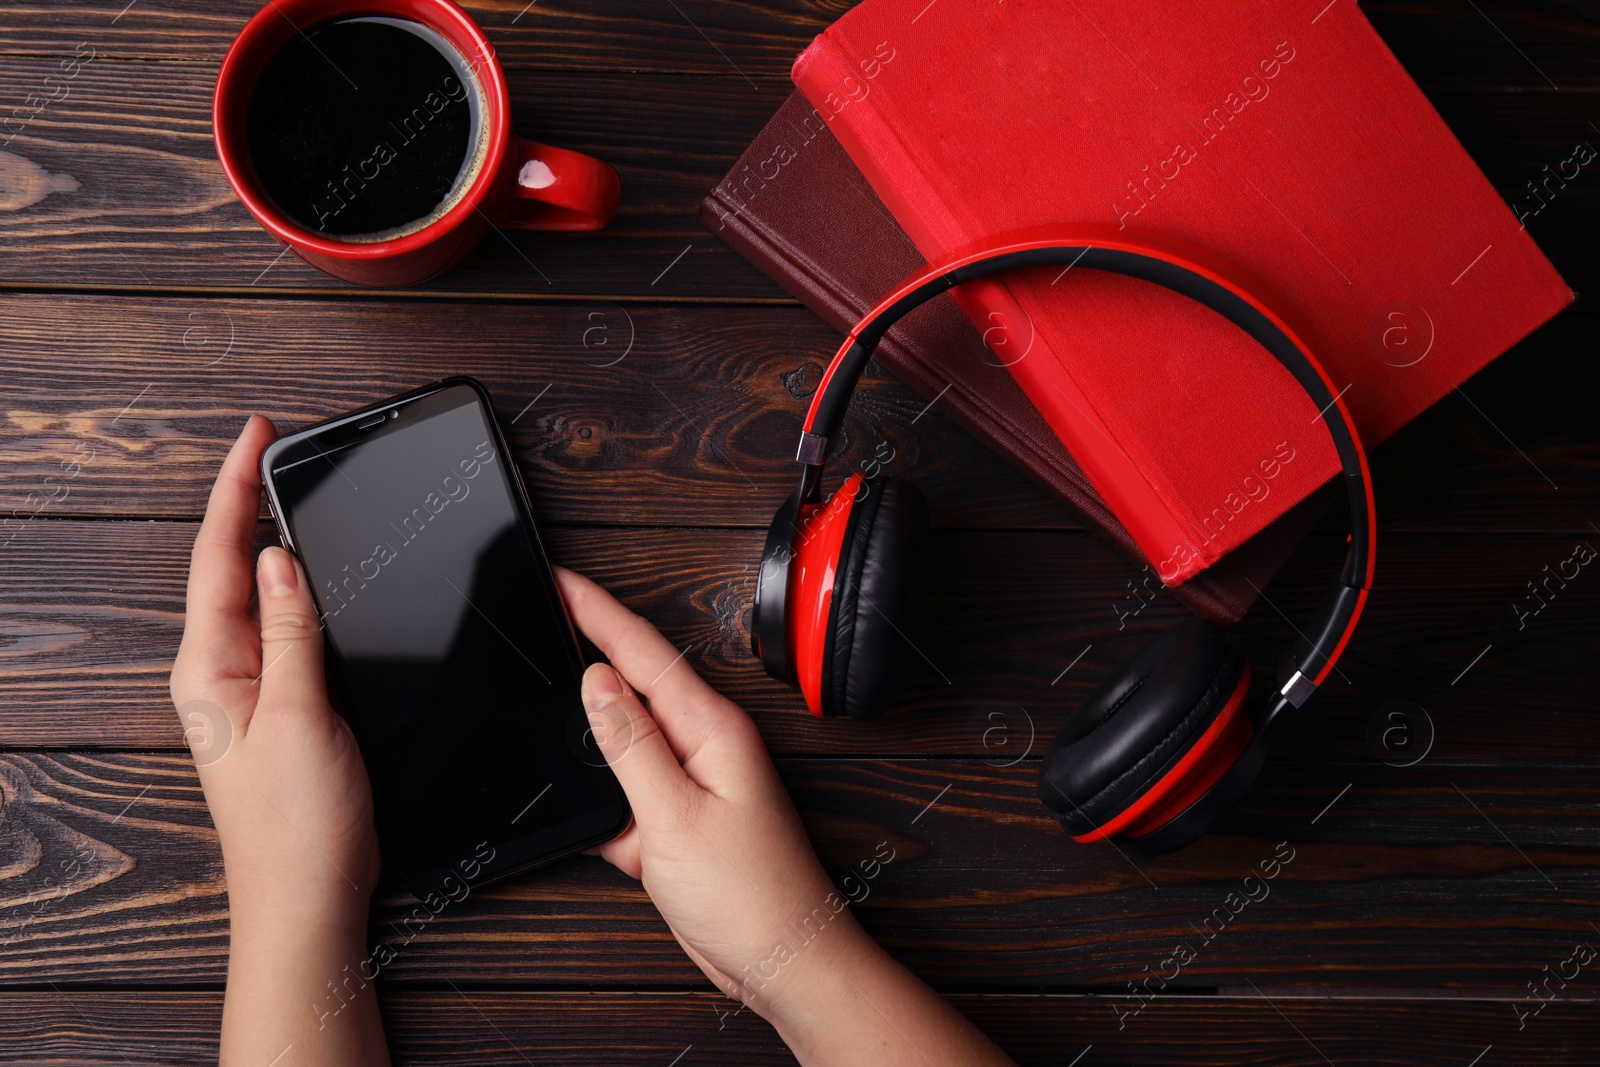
x=813 y=449
x=1298 y=689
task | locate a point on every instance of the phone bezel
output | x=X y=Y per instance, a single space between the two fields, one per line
x=344 y=430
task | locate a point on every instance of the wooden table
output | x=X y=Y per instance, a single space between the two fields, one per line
x=144 y=315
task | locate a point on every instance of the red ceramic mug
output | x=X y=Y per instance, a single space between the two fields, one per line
x=519 y=184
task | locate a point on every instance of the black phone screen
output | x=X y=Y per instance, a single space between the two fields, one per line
x=448 y=649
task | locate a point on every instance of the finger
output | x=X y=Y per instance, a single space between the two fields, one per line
x=220 y=569
x=701 y=725
x=634 y=748
x=291 y=636
x=622 y=852
x=650 y=662
x=693 y=716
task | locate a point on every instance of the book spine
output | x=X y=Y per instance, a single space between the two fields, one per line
x=822 y=73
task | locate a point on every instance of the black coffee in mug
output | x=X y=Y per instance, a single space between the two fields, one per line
x=366 y=129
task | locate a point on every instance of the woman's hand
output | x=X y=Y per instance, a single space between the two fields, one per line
x=280 y=769
x=286 y=787
x=722 y=853
x=715 y=838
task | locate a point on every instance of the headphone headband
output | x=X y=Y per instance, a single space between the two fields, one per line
x=1193 y=273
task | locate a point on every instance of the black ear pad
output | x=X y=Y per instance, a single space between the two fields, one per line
x=1137 y=723
x=876 y=596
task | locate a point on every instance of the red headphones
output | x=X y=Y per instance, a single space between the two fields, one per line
x=1166 y=743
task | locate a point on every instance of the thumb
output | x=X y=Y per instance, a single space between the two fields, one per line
x=291 y=633
x=633 y=744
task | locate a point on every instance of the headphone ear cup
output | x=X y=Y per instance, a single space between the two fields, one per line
x=1137 y=723
x=876 y=599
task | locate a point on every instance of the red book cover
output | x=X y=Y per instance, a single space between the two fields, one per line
x=770 y=207
x=1283 y=137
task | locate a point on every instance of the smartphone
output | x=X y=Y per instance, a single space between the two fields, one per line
x=448 y=648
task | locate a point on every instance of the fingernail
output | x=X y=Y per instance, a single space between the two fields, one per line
x=275 y=571
x=601 y=686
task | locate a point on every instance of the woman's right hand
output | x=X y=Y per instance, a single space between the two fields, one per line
x=722 y=852
x=715 y=838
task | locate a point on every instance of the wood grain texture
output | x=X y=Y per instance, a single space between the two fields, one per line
x=1438 y=41
x=511 y=1029
x=658 y=416
x=649 y=415
x=1490 y=871
x=93 y=616
x=1421 y=903
x=136 y=199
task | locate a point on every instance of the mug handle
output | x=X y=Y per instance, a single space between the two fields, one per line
x=550 y=188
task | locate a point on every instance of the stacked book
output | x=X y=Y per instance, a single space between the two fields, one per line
x=1284 y=138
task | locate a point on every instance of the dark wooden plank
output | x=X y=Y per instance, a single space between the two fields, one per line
x=983 y=892
x=1540 y=45
x=649 y=415
x=93 y=613
x=631 y=35
x=694 y=424
x=1515 y=447
x=104 y=1029
x=139 y=200
x=1439 y=42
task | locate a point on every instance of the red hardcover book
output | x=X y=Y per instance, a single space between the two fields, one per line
x=1283 y=137
x=797 y=207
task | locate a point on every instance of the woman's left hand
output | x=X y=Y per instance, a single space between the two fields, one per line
x=285 y=783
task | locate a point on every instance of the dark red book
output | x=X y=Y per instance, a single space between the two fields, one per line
x=1282 y=137
x=796 y=206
